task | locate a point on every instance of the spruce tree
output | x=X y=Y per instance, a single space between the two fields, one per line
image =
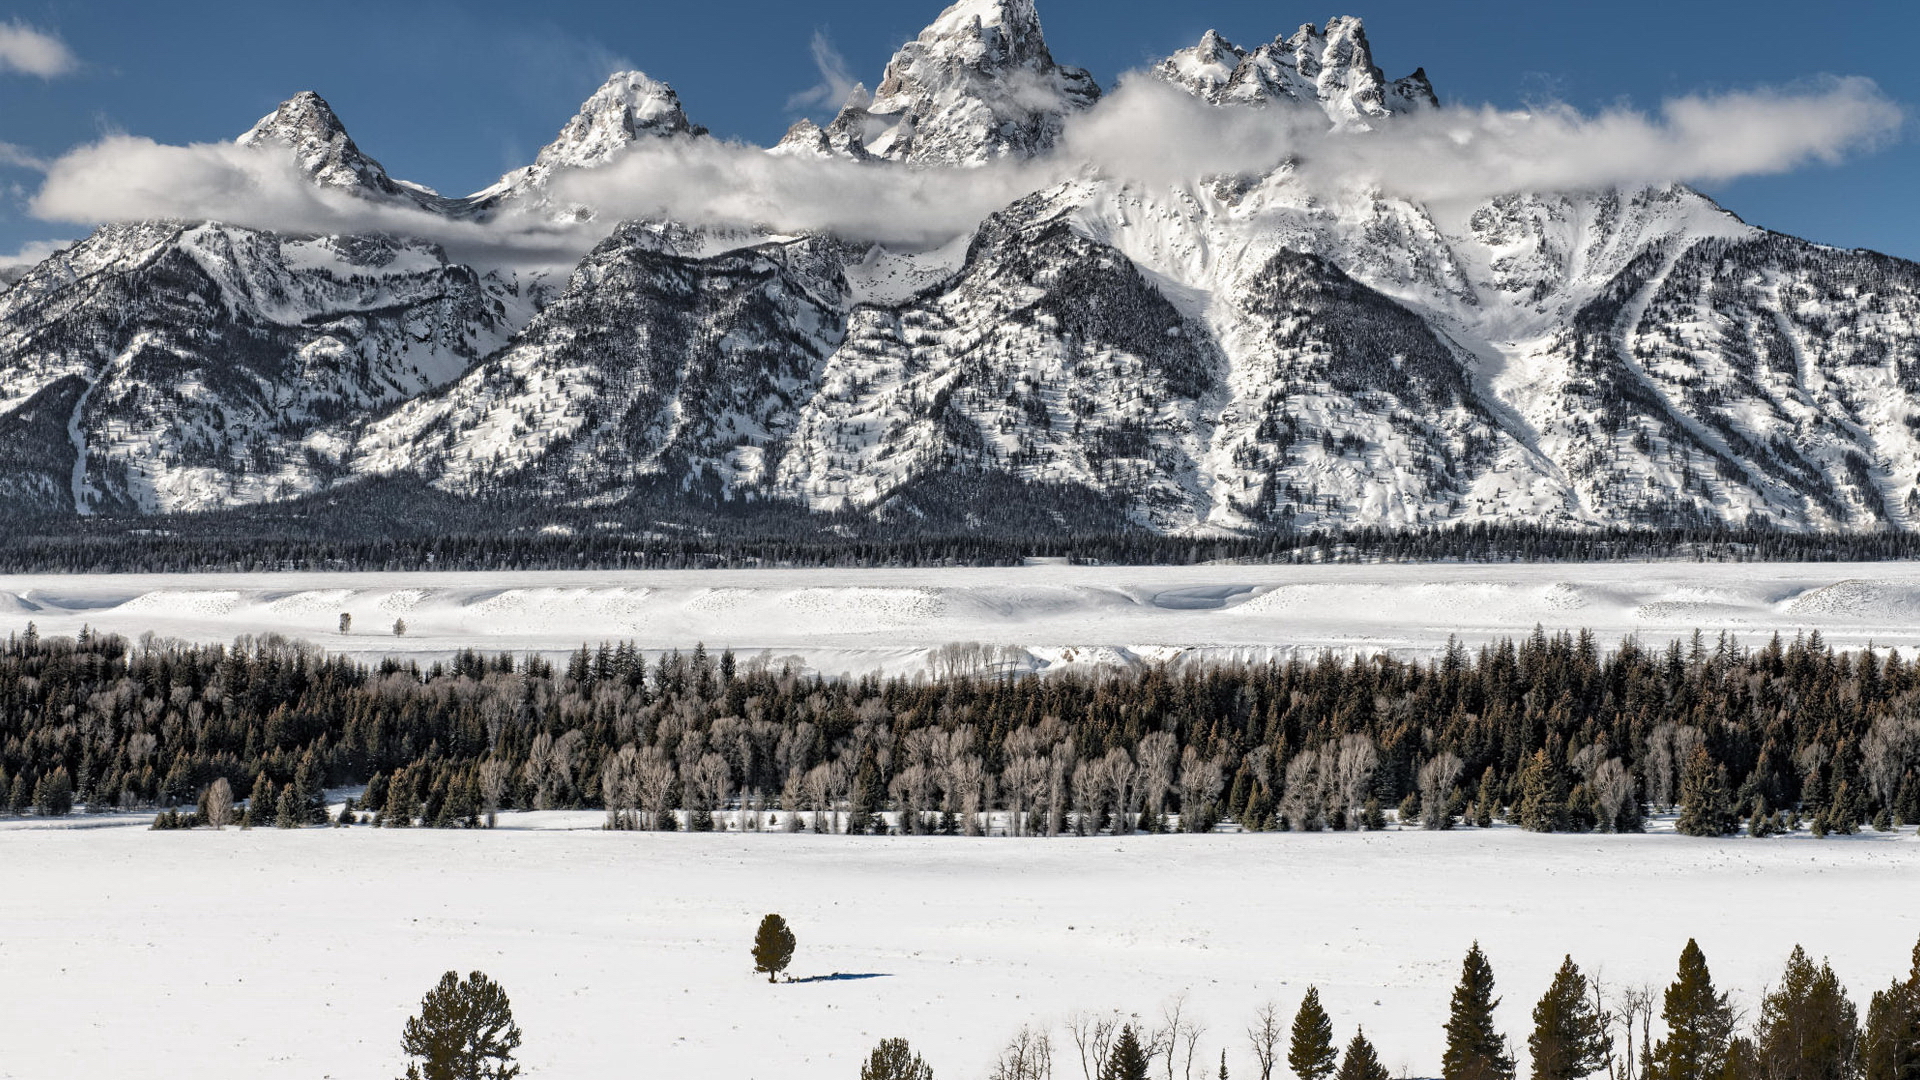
x=465 y=1031
x=893 y=1059
x=1890 y=1046
x=1310 y=1052
x=1808 y=1026
x=1361 y=1061
x=1475 y=1051
x=1699 y=1023
x=1128 y=1061
x=1705 y=808
x=1569 y=1037
x=1543 y=795
x=772 y=947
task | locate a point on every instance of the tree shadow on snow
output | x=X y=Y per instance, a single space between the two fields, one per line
x=842 y=976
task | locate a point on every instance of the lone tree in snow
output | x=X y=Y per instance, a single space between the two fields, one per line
x=465 y=1031
x=893 y=1059
x=773 y=948
x=399 y=628
x=346 y=621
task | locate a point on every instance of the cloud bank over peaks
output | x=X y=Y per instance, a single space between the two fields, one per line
x=1146 y=132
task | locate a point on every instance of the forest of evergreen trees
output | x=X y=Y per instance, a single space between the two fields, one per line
x=392 y=527
x=1548 y=732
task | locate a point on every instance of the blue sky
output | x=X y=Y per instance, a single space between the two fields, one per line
x=453 y=94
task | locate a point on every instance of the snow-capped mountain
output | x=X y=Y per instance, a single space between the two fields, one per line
x=1223 y=353
x=976 y=86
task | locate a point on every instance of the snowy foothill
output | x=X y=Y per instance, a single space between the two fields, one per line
x=1045 y=616
x=273 y=953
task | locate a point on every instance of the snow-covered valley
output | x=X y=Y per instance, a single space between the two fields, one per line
x=270 y=953
x=893 y=620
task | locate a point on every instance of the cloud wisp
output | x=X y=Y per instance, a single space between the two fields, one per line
x=836 y=84
x=1144 y=133
x=25 y=50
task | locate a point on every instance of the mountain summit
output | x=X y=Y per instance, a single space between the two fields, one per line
x=977 y=85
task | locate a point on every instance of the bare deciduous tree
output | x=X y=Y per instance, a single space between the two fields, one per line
x=1613 y=786
x=1354 y=775
x=620 y=788
x=219 y=803
x=1027 y=1056
x=1265 y=1035
x=1437 y=779
x=1300 y=794
x=1093 y=1035
x=655 y=776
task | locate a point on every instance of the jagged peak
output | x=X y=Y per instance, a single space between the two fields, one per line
x=1016 y=17
x=628 y=105
x=307 y=125
x=977 y=84
x=1331 y=66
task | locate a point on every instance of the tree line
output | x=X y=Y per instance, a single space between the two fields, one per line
x=1549 y=732
x=462 y=535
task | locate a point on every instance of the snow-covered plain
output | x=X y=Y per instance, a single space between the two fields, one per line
x=270 y=953
x=867 y=620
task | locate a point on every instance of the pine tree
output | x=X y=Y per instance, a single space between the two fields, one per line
x=465 y=1031
x=1128 y=1061
x=1569 y=1037
x=772 y=947
x=287 y=815
x=1361 y=1061
x=1543 y=795
x=1310 y=1053
x=1475 y=1051
x=893 y=1059
x=1890 y=1046
x=53 y=795
x=1705 y=808
x=1699 y=1023
x=1808 y=1027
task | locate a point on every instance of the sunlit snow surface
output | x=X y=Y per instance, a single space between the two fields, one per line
x=267 y=953
x=891 y=620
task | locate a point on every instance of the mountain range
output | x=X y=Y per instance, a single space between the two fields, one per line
x=1222 y=354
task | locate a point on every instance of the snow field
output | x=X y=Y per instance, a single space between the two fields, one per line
x=301 y=954
x=1050 y=615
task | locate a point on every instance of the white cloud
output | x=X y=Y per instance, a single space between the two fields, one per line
x=27 y=51
x=836 y=84
x=19 y=157
x=1151 y=132
x=31 y=254
x=1145 y=132
x=127 y=178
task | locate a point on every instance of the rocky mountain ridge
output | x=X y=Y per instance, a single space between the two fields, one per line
x=1226 y=353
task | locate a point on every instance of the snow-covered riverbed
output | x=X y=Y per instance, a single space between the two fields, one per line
x=264 y=953
x=863 y=620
